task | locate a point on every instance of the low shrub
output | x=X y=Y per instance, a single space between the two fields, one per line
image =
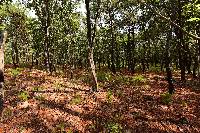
x=23 y=96
x=114 y=127
x=76 y=100
x=7 y=112
x=86 y=79
x=155 y=69
x=15 y=72
x=103 y=76
x=138 y=80
x=166 y=98
x=40 y=98
x=122 y=79
x=37 y=88
x=109 y=96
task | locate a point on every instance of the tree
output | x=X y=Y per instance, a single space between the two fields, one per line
x=167 y=63
x=90 y=47
x=131 y=35
x=3 y=37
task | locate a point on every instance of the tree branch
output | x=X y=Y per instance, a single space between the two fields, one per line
x=171 y=22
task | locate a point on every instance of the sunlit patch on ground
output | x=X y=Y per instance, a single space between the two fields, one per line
x=56 y=103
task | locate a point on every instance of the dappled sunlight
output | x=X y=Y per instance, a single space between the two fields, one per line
x=57 y=103
x=99 y=66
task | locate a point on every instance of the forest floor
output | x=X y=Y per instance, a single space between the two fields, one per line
x=41 y=103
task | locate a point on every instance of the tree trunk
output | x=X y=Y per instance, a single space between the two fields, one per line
x=181 y=45
x=3 y=37
x=133 y=50
x=112 y=48
x=46 y=41
x=198 y=63
x=15 y=55
x=195 y=67
x=90 y=48
x=167 y=65
x=129 y=51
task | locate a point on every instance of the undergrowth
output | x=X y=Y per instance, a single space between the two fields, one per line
x=166 y=98
x=113 y=127
x=23 y=95
x=14 y=72
x=77 y=99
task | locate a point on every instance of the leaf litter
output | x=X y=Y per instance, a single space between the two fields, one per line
x=57 y=103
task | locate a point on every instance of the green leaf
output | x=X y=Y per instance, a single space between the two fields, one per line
x=198 y=6
x=193 y=19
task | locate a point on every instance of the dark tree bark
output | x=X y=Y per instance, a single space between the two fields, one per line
x=15 y=52
x=112 y=48
x=128 y=49
x=189 y=61
x=182 y=55
x=118 y=65
x=133 y=50
x=195 y=67
x=143 y=60
x=167 y=65
x=198 y=33
x=90 y=47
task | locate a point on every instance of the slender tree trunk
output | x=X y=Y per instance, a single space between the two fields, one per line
x=128 y=49
x=182 y=54
x=198 y=63
x=143 y=66
x=195 y=67
x=112 y=48
x=108 y=61
x=15 y=55
x=46 y=41
x=189 y=61
x=133 y=50
x=118 y=59
x=199 y=60
x=167 y=65
x=144 y=59
x=3 y=37
x=90 y=48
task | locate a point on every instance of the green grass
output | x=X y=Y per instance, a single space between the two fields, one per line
x=166 y=98
x=155 y=69
x=77 y=99
x=114 y=127
x=7 y=112
x=104 y=76
x=138 y=80
x=119 y=93
x=40 y=98
x=109 y=96
x=37 y=88
x=184 y=103
x=61 y=126
x=122 y=79
x=58 y=85
x=15 y=72
x=85 y=79
x=23 y=96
